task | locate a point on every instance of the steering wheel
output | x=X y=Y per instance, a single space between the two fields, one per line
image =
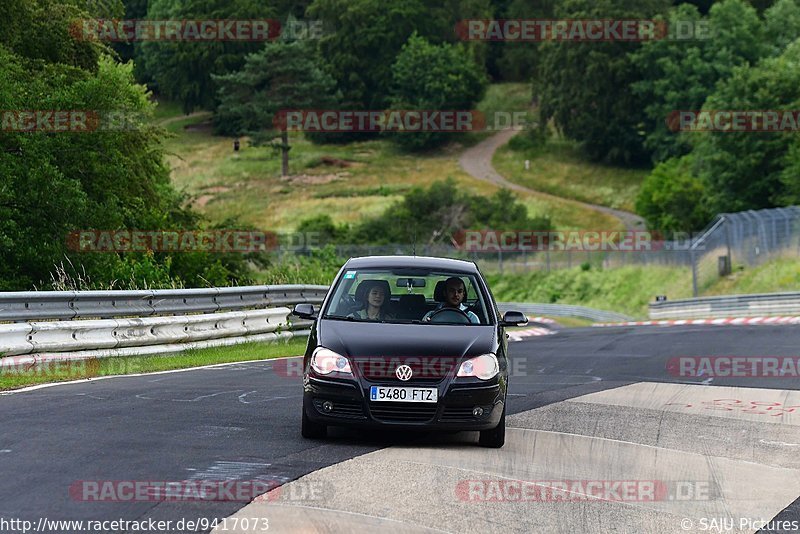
x=348 y=303
x=456 y=316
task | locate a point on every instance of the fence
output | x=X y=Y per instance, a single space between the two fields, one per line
x=745 y=238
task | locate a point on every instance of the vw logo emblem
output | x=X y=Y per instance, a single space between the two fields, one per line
x=403 y=372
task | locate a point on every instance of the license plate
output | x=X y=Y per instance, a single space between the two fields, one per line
x=392 y=394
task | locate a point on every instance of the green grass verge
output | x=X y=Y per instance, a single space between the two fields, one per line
x=625 y=290
x=559 y=168
x=778 y=275
x=17 y=377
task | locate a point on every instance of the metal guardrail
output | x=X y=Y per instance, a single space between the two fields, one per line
x=68 y=305
x=83 y=324
x=727 y=306
x=120 y=323
x=563 y=310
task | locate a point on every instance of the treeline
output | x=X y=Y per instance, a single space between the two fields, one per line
x=620 y=100
x=53 y=184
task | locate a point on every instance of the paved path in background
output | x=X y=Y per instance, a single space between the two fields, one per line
x=477 y=161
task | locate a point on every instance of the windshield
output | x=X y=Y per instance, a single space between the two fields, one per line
x=424 y=297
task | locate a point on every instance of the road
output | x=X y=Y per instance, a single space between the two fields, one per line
x=477 y=161
x=587 y=404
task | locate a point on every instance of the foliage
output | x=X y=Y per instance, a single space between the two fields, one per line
x=751 y=170
x=108 y=179
x=585 y=87
x=366 y=37
x=438 y=213
x=430 y=77
x=184 y=70
x=281 y=76
x=671 y=198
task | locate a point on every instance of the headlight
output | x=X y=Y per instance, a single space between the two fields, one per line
x=325 y=361
x=484 y=367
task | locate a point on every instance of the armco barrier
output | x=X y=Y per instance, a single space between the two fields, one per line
x=61 y=324
x=37 y=305
x=82 y=324
x=727 y=306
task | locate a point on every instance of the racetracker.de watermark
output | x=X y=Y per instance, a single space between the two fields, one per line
x=70 y=121
x=398 y=120
x=584 y=30
x=129 y=30
x=568 y=240
x=741 y=120
x=220 y=241
x=735 y=366
x=504 y=490
x=31 y=366
x=197 y=490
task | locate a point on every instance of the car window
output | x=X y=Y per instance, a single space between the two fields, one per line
x=407 y=303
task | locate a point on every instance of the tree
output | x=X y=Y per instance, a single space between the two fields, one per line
x=782 y=24
x=110 y=178
x=585 y=87
x=183 y=71
x=281 y=76
x=746 y=169
x=430 y=77
x=672 y=197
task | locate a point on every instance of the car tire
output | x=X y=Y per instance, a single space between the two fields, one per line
x=496 y=437
x=311 y=430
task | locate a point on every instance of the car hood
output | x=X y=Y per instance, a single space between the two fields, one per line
x=370 y=339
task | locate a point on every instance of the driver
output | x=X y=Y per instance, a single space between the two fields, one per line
x=454 y=290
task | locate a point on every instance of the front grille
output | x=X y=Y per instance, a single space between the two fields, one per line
x=341 y=408
x=405 y=412
x=424 y=370
x=461 y=414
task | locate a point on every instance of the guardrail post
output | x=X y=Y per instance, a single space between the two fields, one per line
x=694 y=272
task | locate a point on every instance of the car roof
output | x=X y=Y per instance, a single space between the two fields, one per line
x=420 y=262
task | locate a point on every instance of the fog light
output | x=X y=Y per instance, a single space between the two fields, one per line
x=327 y=406
x=477 y=411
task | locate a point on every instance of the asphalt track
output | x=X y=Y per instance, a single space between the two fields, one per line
x=587 y=405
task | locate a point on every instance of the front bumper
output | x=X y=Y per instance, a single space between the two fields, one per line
x=453 y=411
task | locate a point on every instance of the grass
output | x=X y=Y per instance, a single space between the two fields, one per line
x=364 y=179
x=17 y=377
x=559 y=168
x=625 y=290
x=782 y=274
x=630 y=289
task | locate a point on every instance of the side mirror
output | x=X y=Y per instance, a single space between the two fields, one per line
x=514 y=318
x=304 y=310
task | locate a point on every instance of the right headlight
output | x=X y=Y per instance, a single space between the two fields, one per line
x=484 y=367
x=325 y=361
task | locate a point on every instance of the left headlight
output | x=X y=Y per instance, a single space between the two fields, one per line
x=325 y=361
x=484 y=367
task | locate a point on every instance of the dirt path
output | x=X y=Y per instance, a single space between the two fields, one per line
x=477 y=161
x=163 y=123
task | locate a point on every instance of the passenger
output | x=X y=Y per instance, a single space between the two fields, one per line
x=455 y=291
x=376 y=306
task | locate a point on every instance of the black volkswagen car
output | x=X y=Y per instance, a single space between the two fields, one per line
x=409 y=342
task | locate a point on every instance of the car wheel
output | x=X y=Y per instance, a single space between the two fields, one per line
x=311 y=430
x=496 y=437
